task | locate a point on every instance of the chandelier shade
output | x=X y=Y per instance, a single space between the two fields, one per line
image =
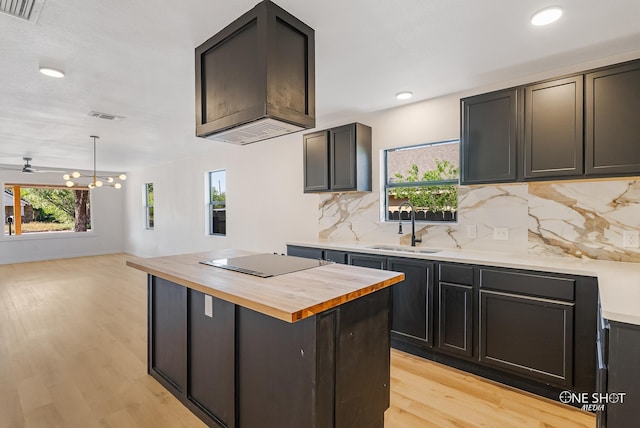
x=76 y=179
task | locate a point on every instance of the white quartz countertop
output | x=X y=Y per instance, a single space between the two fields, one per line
x=618 y=282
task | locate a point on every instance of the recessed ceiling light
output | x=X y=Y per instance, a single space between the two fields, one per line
x=546 y=16
x=51 y=72
x=405 y=95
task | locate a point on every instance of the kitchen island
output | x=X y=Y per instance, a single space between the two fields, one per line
x=308 y=348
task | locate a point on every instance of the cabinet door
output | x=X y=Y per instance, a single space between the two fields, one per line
x=489 y=142
x=624 y=375
x=366 y=260
x=211 y=356
x=168 y=331
x=612 y=105
x=527 y=335
x=342 y=155
x=412 y=306
x=455 y=318
x=316 y=161
x=306 y=252
x=335 y=256
x=553 y=136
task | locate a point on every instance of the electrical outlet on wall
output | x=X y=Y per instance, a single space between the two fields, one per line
x=630 y=239
x=500 y=234
x=472 y=231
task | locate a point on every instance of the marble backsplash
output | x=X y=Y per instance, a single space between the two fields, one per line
x=572 y=219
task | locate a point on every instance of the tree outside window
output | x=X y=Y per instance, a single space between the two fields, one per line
x=426 y=176
x=217 y=203
x=148 y=205
x=48 y=209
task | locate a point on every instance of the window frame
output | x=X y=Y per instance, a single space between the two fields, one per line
x=387 y=185
x=211 y=205
x=149 y=211
x=46 y=233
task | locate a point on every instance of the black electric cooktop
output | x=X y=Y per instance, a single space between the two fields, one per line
x=265 y=265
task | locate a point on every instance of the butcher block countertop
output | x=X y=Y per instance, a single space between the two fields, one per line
x=289 y=297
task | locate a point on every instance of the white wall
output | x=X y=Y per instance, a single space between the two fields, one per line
x=265 y=203
x=266 y=206
x=106 y=236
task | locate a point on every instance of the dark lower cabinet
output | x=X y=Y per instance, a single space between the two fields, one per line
x=528 y=335
x=190 y=351
x=211 y=357
x=455 y=320
x=536 y=331
x=306 y=252
x=234 y=367
x=168 y=331
x=317 y=253
x=367 y=260
x=335 y=256
x=623 y=380
x=456 y=309
x=412 y=302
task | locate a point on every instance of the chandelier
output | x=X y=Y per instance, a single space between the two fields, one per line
x=96 y=180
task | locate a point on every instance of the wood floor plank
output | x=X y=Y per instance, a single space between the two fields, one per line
x=73 y=354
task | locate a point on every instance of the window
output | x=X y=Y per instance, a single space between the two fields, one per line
x=148 y=205
x=217 y=203
x=45 y=209
x=426 y=176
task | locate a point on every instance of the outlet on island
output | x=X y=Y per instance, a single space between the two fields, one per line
x=500 y=234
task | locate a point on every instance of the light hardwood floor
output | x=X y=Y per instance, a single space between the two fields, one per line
x=73 y=354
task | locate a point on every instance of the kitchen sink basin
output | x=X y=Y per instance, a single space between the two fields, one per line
x=404 y=249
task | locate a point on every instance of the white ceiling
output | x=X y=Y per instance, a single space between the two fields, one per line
x=135 y=58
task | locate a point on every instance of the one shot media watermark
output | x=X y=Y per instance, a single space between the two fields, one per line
x=592 y=402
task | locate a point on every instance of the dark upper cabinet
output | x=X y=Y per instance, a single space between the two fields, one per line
x=338 y=159
x=553 y=128
x=412 y=302
x=489 y=143
x=612 y=145
x=569 y=127
x=316 y=161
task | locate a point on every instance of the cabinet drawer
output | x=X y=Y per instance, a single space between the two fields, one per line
x=306 y=252
x=524 y=283
x=456 y=274
x=335 y=256
x=527 y=335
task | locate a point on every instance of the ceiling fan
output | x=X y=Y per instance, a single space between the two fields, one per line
x=30 y=169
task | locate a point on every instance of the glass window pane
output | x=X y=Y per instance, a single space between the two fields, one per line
x=149 y=202
x=47 y=209
x=217 y=203
x=430 y=172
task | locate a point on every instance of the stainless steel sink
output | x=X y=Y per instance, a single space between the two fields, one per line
x=404 y=249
